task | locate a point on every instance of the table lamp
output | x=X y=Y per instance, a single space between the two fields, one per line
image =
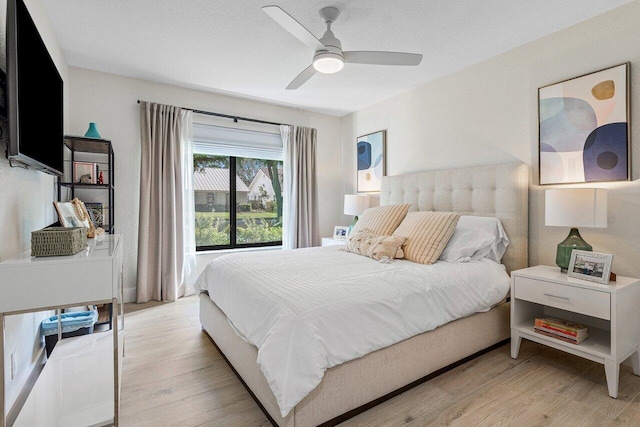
x=574 y=207
x=355 y=204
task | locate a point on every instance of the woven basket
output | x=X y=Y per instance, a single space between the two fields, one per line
x=55 y=241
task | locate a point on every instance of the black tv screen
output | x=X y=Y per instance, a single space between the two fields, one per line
x=34 y=95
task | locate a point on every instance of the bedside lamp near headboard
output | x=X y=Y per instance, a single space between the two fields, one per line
x=574 y=207
x=355 y=204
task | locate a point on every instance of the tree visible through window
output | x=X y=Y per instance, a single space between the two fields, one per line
x=249 y=216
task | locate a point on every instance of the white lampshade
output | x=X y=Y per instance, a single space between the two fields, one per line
x=576 y=207
x=355 y=204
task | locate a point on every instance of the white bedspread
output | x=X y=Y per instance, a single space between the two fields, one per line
x=307 y=310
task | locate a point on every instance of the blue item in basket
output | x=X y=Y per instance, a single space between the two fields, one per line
x=70 y=322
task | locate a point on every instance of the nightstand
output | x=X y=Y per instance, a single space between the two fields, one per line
x=610 y=312
x=330 y=241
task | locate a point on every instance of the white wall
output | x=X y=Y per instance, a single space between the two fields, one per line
x=487 y=114
x=26 y=205
x=111 y=102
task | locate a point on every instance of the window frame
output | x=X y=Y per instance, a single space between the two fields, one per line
x=233 y=217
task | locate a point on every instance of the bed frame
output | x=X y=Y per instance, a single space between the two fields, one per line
x=498 y=191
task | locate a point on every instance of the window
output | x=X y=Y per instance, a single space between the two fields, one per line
x=249 y=162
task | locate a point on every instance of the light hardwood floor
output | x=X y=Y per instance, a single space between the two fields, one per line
x=174 y=376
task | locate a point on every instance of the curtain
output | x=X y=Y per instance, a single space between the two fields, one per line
x=165 y=235
x=300 y=222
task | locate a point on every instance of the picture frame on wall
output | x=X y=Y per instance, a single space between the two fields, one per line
x=583 y=128
x=370 y=158
x=592 y=266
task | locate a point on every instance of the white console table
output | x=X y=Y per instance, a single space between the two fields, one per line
x=74 y=393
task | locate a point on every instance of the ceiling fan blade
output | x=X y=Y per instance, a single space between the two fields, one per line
x=382 y=58
x=289 y=23
x=302 y=78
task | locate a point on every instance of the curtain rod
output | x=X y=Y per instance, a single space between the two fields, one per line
x=235 y=118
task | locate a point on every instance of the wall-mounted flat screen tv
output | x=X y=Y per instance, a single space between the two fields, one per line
x=34 y=95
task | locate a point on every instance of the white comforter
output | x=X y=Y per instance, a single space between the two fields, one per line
x=307 y=310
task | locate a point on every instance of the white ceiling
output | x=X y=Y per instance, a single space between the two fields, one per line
x=233 y=47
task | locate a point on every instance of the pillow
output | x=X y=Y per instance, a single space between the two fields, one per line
x=381 y=220
x=467 y=243
x=375 y=246
x=427 y=234
x=493 y=226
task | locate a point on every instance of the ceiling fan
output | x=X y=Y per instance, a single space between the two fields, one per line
x=329 y=56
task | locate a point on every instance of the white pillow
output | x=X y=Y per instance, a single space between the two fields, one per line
x=467 y=244
x=475 y=242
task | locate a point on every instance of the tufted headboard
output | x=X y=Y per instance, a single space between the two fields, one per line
x=500 y=191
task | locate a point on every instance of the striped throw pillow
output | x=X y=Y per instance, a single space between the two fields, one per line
x=427 y=234
x=381 y=220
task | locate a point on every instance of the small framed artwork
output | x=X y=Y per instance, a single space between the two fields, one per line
x=84 y=172
x=72 y=214
x=370 y=155
x=340 y=232
x=593 y=266
x=584 y=128
x=95 y=213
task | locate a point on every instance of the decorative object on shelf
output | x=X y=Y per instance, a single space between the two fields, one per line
x=340 y=232
x=574 y=207
x=95 y=213
x=100 y=178
x=370 y=155
x=92 y=132
x=74 y=214
x=84 y=172
x=592 y=266
x=584 y=128
x=355 y=204
x=58 y=241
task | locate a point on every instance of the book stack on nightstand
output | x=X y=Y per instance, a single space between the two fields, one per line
x=564 y=330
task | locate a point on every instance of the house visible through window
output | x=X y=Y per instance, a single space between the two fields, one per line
x=249 y=162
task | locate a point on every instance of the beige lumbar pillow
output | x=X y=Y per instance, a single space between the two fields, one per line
x=427 y=234
x=381 y=220
x=375 y=246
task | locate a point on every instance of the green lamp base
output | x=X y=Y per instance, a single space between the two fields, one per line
x=573 y=241
x=355 y=219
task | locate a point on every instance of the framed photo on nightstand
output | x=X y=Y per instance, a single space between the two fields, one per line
x=340 y=232
x=593 y=266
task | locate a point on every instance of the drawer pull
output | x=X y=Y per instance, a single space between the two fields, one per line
x=556 y=296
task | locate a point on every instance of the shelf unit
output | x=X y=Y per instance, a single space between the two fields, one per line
x=100 y=152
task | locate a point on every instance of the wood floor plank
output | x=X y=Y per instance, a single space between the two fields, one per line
x=174 y=376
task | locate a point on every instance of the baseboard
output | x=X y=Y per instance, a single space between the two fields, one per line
x=26 y=389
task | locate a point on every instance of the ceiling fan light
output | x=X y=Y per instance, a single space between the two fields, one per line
x=328 y=62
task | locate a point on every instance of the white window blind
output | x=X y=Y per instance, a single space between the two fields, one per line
x=225 y=141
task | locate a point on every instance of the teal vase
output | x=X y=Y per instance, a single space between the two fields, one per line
x=92 y=132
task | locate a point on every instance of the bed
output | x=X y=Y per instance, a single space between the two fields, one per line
x=492 y=191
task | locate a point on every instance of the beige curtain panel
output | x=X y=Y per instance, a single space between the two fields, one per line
x=301 y=224
x=161 y=240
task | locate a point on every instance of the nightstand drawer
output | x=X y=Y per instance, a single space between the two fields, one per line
x=570 y=298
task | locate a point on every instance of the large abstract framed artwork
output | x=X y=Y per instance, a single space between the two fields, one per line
x=371 y=163
x=584 y=128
